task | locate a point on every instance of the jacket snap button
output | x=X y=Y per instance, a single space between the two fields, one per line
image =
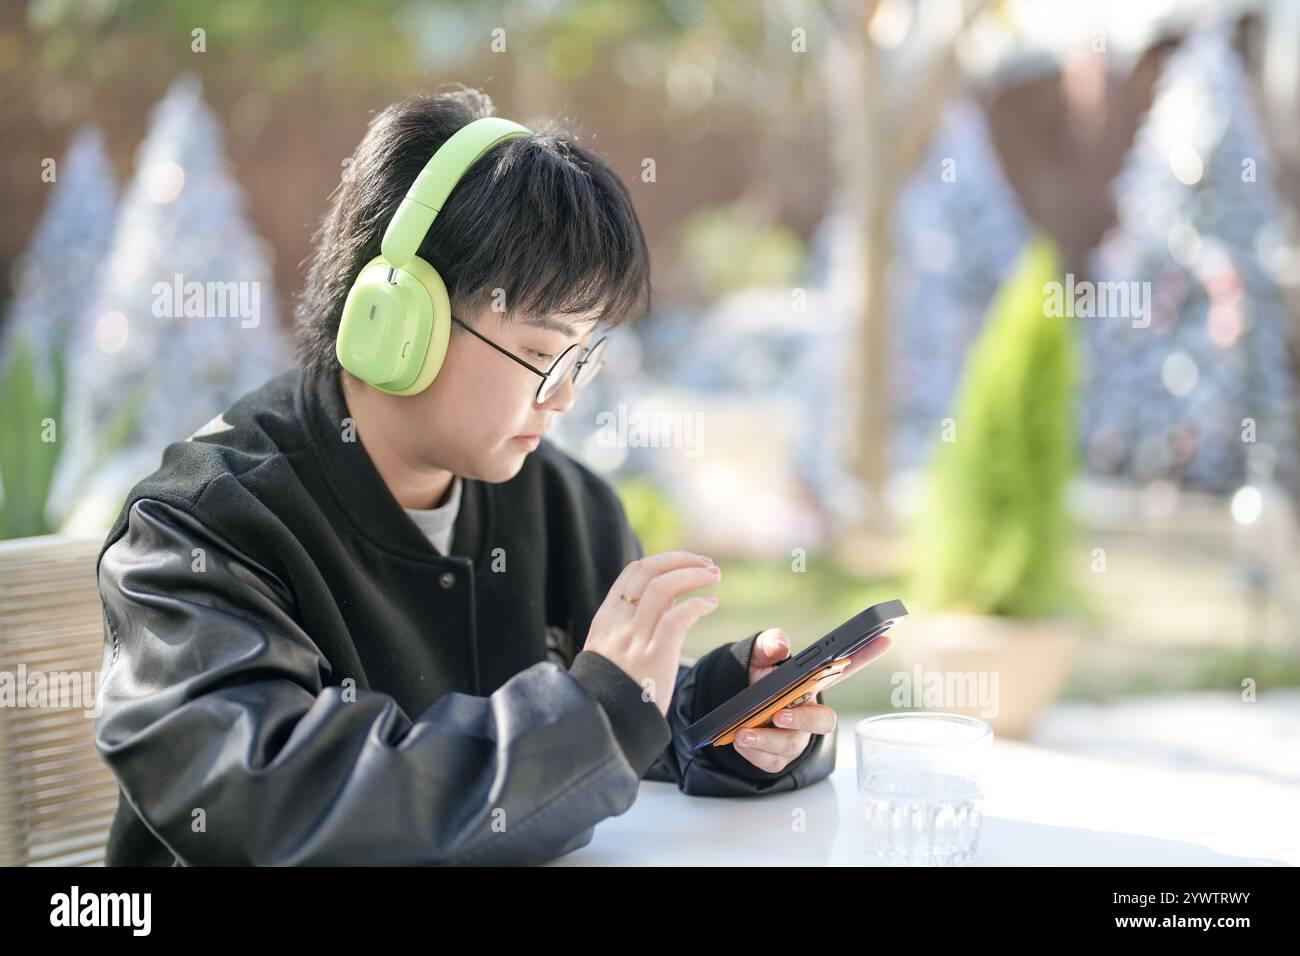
x=447 y=579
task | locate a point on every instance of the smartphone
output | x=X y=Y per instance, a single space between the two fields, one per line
x=798 y=678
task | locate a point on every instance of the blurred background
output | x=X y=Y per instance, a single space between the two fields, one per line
x=990 y=306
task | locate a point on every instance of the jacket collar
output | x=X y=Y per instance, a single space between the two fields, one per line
x=360 y=492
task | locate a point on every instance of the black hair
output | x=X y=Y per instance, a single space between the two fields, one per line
x=541 y=217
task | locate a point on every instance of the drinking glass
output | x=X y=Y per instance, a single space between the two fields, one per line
x=920 y=776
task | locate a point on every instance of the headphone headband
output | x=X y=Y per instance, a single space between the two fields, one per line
x=444 y=169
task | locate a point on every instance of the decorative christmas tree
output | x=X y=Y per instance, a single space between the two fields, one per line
x=1201 y=394
x=959 y=230
x=184 y=321
x=56 y=278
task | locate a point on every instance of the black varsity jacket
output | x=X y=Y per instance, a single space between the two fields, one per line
x=292 y=674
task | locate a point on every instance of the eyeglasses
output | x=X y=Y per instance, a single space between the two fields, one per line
x=579 y=362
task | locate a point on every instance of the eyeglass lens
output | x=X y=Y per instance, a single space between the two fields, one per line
x=565 y=366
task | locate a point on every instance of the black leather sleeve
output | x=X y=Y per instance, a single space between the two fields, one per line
x=219 y=724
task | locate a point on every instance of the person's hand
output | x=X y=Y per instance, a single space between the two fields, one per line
x=772 y=748
x=645 y=638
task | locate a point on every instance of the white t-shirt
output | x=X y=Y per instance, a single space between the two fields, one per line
x=438 y=523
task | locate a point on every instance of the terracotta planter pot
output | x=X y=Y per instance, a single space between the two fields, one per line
x=1018 y=665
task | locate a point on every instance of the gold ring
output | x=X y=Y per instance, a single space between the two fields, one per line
x=629 y=600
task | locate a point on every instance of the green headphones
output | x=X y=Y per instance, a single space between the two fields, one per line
x=397 y=317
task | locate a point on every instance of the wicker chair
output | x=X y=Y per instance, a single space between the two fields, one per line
x=57 y=797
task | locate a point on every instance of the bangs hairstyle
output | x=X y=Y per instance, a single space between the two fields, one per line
x=541 y=218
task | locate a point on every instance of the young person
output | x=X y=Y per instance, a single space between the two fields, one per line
x=346 y=625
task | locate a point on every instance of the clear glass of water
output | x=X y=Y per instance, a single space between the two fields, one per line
x=920 y=774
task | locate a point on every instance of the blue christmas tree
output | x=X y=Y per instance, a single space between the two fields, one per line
x=958 y=231
x=184 y=321
x=55 y=280
x=1198 y=389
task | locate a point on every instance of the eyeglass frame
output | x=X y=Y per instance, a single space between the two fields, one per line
x=577 y=368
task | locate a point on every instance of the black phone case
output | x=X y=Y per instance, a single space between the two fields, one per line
x=851 y=636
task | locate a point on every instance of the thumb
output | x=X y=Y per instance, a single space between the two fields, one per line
x=770 y=647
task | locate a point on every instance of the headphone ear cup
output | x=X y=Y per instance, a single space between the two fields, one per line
x=439 y=312
x=395 y=326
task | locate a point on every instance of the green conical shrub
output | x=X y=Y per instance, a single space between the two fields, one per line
x=994 y=529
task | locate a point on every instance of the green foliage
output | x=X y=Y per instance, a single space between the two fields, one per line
x=31 y=410
x=30 y=405
x=728 y=248
x=652 y=514
x=992 y=536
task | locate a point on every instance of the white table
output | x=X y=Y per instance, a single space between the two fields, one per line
x=1042 y=808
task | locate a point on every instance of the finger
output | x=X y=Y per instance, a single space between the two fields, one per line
x=637 y=574
x=812 y=717
x=681 y=618
x=770 y=647
x=761 y=759
x=634 y=577
x=773 y=740
x=861 y=658
x=756 y=674
x=660 y=593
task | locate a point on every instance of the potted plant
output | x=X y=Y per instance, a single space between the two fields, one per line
x=988 y=548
